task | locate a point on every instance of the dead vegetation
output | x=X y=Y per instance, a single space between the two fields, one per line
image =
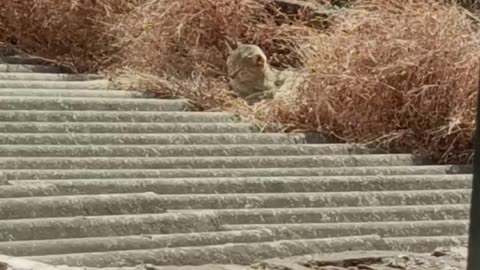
x=401 y=74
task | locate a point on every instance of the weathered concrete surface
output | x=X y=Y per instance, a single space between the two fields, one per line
x=312 y=200
x=85 y=85
x=382 y=228
x=441 y=259
x=48 y=76
x=25 y=92
x=397 y=185
x=9 y=163
x=342 y=214
x=406 y=173
x=81 y=205
x=168 y=138
x=238 y=253
x=28 y=68
x=119 y=127
x=90 y=103
x=155 y=150
x=133 y=242
x=108 y=225
x=115 y=116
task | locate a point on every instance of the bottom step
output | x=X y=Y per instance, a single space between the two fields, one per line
x=248 y=253
x=242 y=253
x=425 y=244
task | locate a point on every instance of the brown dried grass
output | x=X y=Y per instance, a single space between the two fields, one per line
x=401 y=74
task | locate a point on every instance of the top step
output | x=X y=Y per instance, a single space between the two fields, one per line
x=25 y=76
x=31 y=68
x=72 y=85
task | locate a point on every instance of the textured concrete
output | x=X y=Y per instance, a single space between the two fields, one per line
x=238 y=253
x=80 y=205
x=25 y=92
x=155 y=150
x=91 y=176
x=73 y=85
x=48 y=76
x=233 y=186
x=162 y=139
x=100 y=127
x=90 y=103
x=391 y=229
x=9 y=163
x=115 y=116
x=133 y=242
x=107 y=225
x=341 y=214
x=408 y=171
x=28 y=68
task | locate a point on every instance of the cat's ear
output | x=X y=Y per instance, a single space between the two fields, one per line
x=232 y=43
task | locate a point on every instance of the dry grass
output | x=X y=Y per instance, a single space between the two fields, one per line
x=401 y=74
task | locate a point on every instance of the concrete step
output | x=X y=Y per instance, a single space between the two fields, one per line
x=383 y=229
x=425 y=244
x=25 y=76
x=148 y=139
x=205 y=162
x=255 y=185
x=155 y=150
x=132 y=242
x=70 y=85
x=312 y=200
x=342 y=214
x=244 y=234
x=25 y=92
x=114 y=116
x=69 y=206
x=238 y=253
x=118 y=127
x=15 y=68
x=91 y=104
x=22 y=60
x=139 y=174
x=103 y=226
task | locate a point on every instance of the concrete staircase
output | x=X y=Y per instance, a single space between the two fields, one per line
x=96 y=177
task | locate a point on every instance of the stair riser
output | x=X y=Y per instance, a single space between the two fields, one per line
x=205 y=162
x=176 y=151
x=307 y=200
x=10 y=92
x=133 y=242
x=100 y=226
x=48 y=77
x=235 y=253
x=29 y=68
x=148 y=139
x=24 y=188
x=242 y=235
x=103 y=116
x=425 y=244
x=95 y=85
x=90 y=104
x=21 y=127
x=138 y=203
x=325 y=215
x=257 y=172
x=69 y=206
x=383 y=229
